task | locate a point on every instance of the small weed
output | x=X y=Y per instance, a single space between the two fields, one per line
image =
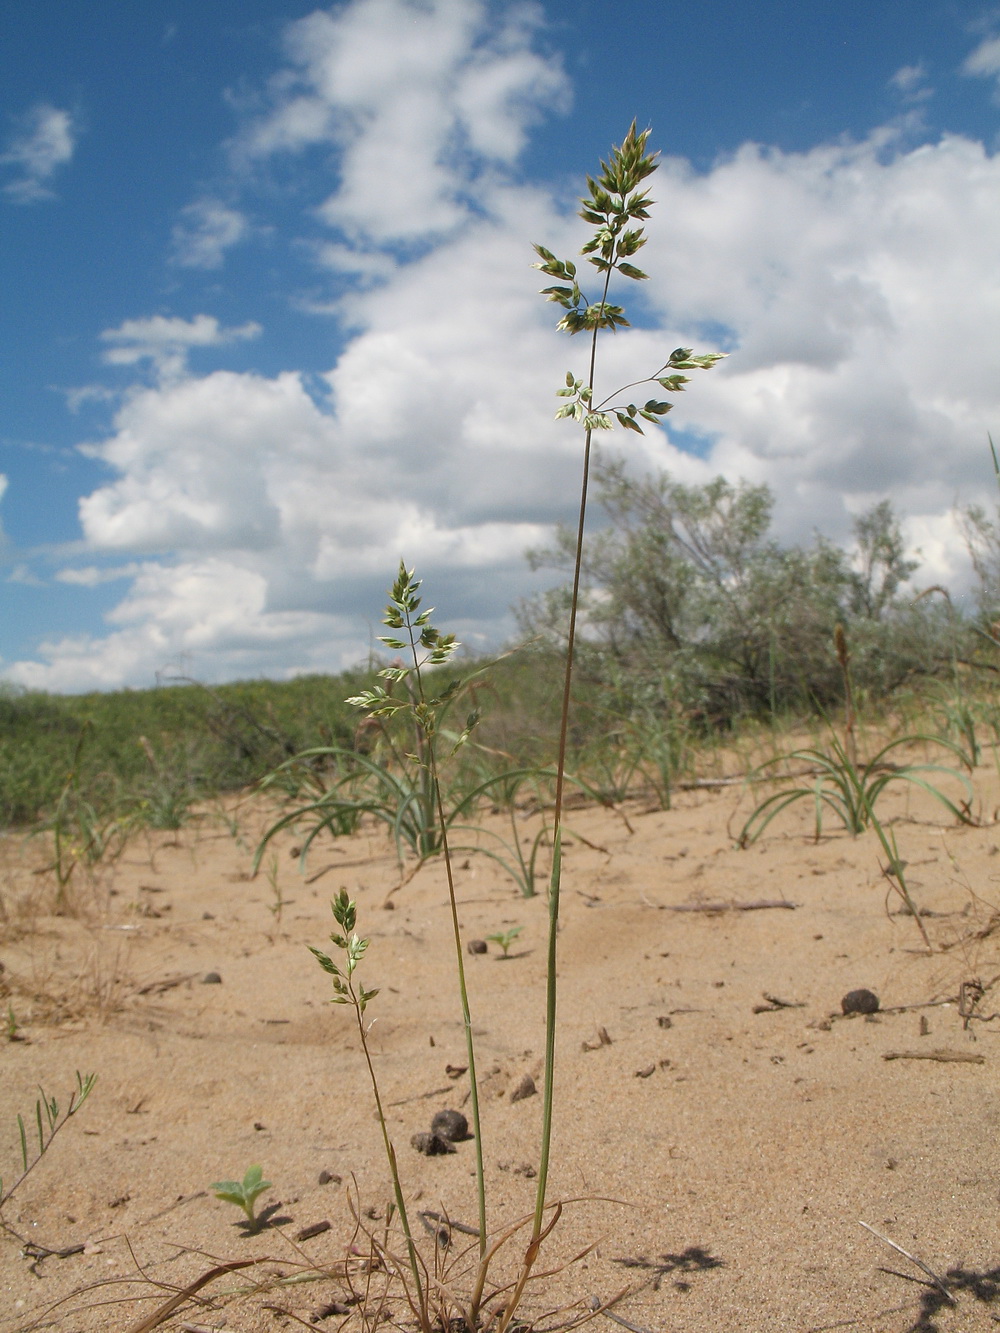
x=80 y=833
x=12 y=1025
x=244 y=1193
x=851 y=788
x=505 y=938
x=278 y=901
x=49 y=1120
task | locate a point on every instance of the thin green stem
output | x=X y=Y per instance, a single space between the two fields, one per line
x=555 y=882
x=551 y=988
x=633 y=384
x=390 y=1152
x=470 y=1048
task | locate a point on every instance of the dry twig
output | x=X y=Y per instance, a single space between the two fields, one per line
x=941 y=1055
x=759 y=906
x=938 y=1282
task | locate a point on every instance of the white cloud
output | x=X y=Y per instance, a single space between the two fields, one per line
x=910 y=82
x=87 y=393
x=165 y=341
x=418 y=98
x=855 y=285
x=206 y=230
x=984 y=61
x=209 y=617
x=90 y=576
x=26 y=576
x=44 y=141
x=865 y=303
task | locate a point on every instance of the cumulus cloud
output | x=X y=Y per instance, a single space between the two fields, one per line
x=44 y=141
x=209 y=617
x=206 y=230
x=862 y=306
x=854 y=284
x=417 y=99
x=165 y=342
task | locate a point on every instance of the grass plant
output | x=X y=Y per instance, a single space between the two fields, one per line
x=614 y=202
x=850 y=787
x=80 y=834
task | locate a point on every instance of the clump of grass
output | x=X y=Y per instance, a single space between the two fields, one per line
x=850 y=787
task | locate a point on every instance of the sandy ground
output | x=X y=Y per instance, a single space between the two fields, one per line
x=718 y=1149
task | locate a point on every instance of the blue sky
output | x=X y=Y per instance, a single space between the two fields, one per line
x=269 y=325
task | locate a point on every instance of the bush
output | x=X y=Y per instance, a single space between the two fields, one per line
x=687 y=593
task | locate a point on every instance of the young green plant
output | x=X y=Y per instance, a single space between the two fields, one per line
x=352 y=949
x=505 y=938
x=244 y=1193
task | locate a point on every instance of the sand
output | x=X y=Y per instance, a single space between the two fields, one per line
x=718 y=1149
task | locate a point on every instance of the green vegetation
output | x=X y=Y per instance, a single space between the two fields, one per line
x=402 y=783
x=684 y=626
x=48 y=1121
x=244 y=1193
x=505 y=938
x=614 y=201
x=153 y=753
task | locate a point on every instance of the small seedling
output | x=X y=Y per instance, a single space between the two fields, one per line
x=244 y=1193
x=279 y=901
x=12 y=1025
x=505 y=938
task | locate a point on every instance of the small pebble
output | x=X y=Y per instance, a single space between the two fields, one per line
x=432 y=1145
x=526 y=1088
x=860 y=1002
x=211 y=979
x=450 y=1125
x=477 y=946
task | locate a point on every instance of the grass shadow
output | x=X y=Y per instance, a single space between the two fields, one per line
x=983 y=1286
